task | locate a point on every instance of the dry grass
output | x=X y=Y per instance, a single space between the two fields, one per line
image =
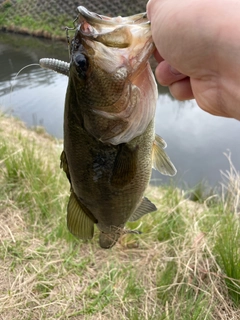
x=171 y=271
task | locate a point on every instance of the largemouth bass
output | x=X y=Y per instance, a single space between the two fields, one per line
x=110 y=144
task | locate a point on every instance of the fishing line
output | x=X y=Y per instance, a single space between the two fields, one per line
x=14 y=79
x=67 y=29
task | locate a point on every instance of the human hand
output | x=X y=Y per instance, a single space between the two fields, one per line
x=198 y=50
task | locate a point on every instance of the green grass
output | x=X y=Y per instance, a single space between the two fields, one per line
x=44 y=25
x=184 y=266
x=227 y=248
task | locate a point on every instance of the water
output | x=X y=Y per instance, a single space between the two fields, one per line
x=196 y=140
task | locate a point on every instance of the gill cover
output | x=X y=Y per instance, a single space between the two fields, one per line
x=109 y=63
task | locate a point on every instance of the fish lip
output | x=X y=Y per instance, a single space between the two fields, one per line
x=92 y=17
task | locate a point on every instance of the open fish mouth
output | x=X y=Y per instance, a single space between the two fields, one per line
x=111 y=31
x=116 y=32
x=94 y=18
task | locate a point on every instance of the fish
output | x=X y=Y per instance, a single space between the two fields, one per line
x=110 y=144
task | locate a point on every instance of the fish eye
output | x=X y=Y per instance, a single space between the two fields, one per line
x=81 y=64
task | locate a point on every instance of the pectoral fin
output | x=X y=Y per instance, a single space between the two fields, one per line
x=79 y=220
x=161 y=143
x=125 y=166
x=145 y=207
x=161 y=161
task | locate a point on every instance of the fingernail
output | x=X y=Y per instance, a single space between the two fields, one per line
x=148 y=11
x=175 y=71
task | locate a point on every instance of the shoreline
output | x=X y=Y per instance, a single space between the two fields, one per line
x=42 y=34
x=48 y=18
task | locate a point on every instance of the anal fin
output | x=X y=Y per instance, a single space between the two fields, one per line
x=145 y=207
x=78 y=221
x=160 y=159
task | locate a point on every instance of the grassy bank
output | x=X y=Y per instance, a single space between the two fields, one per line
x=48 y=18
x=185 y=265
x=35 y=18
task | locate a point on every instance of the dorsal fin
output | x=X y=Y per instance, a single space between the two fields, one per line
x=64 y=165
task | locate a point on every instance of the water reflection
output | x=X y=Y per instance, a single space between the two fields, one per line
x=38 y=102
x=196 y=140
x=37 y=95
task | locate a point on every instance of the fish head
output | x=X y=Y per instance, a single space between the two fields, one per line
x=110 y=75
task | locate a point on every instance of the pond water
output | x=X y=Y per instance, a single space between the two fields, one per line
x=196 y=140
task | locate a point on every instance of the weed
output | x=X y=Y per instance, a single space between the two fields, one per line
x=227 y=247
